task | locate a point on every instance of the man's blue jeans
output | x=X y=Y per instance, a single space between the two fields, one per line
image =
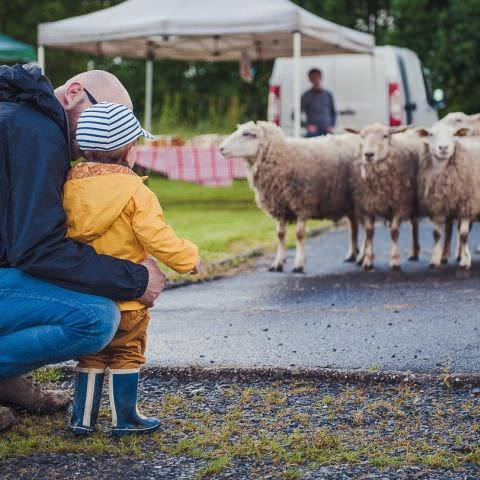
x=42 y=324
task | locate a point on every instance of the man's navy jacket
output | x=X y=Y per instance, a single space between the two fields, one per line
x=34 y=163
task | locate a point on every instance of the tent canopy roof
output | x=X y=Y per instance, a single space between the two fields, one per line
x=201 y=30
x=12 y=50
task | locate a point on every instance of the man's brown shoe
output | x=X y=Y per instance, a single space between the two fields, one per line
x=21 y=392
x=6 y=418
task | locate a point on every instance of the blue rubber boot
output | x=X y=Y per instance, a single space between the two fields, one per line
x=86 y=402
x=126 y=419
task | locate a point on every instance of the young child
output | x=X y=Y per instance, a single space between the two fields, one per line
x=109 y=207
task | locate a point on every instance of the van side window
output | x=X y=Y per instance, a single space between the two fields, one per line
x=427 y=80
x=409 y=106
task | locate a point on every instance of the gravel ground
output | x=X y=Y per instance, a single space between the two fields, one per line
x=262 y=430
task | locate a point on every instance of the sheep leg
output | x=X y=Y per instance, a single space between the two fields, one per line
x=277 y=265
x=415 y=241
x=299 y=262
x=458 y=240
x=394 y=234
x=353 y=239
x=447 y=245
x=465 y=257
x=437 y=247
x=458 y=254
x=368 y=256
x=361 y=254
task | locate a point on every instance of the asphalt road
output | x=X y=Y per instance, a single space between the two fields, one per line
x=334 y=315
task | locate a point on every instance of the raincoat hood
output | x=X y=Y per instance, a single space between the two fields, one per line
x=93 y=203
x=25 y=83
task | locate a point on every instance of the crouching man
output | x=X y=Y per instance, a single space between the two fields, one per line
x=56 y=295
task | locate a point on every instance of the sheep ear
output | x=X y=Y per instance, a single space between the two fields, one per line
x=462 y=132
x=422 y=132
x=352 y=130
x=400 y=129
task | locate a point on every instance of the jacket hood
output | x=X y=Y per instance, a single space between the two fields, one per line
x=92 y=204
x=25 y=83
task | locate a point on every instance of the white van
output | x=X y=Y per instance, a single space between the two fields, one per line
x=389 y=86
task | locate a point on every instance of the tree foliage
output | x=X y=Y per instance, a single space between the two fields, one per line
x=444 y=33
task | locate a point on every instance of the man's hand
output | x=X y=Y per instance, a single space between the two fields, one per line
x=311 y=128
x=197 y=267
x=156 y=282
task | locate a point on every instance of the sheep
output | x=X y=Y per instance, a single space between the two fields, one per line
x=472 y=122
x=384 y=185
x=460 y=119
x=448 y=184
x=295 y=180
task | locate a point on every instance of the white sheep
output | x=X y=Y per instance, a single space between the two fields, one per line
x=472 y=122
x=460 y=119
x=295 y=180
x=384 y=185
x=449 y=184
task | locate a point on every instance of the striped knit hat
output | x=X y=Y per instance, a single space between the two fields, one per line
x=108 y=126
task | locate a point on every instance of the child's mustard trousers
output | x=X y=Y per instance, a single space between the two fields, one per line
x=127 y=349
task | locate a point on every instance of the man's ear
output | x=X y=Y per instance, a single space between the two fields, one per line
x=352 y=130
x=73 y=94
x=462 y=132
x=422 y=132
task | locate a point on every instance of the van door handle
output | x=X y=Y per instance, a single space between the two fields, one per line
x=347 y=111
x=411 y=106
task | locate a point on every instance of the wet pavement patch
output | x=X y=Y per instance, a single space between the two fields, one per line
x=264 y=429
x=335 y=315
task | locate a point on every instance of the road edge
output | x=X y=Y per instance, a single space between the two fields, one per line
x=200 y=373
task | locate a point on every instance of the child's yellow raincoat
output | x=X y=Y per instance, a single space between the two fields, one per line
x=109 y=207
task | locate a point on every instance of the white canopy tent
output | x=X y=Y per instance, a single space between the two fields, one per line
x=218 y=30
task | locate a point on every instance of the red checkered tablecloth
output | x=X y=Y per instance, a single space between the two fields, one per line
x=202 y=165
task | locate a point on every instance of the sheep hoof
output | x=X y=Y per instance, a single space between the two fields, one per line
x=465 y=268
x=433 y=266
x=458 y=259
x=351 y=258
x=396 y=268
x=298 y=270
x=276 y=268
x=444 y=261
x=413 y=258
x=368 y=268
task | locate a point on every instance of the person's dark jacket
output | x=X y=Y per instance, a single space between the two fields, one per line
x=34 y=163
x=319 y=108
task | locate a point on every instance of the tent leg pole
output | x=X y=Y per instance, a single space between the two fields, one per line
x=41 y=58
x=297 y=54
x=148 y=93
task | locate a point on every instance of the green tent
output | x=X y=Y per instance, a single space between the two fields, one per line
x=13 y=51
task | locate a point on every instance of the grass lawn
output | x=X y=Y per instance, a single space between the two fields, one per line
x=223 y=222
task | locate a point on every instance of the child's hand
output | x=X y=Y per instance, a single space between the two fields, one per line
x=197 y=267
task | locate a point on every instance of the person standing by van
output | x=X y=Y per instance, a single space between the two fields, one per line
x=319 y=107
